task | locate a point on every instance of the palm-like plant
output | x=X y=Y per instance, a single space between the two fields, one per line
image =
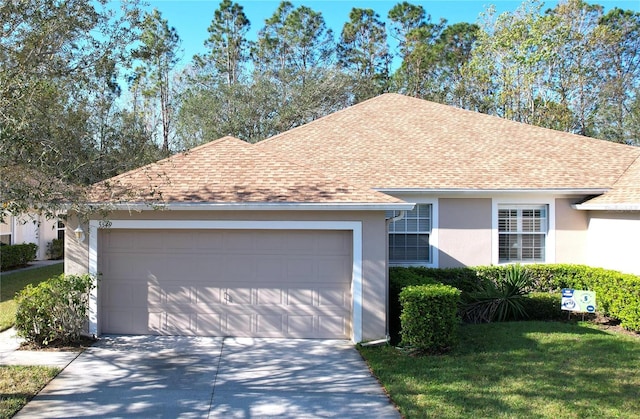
x=501 y=300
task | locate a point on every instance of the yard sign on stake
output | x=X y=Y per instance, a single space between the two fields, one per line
x=578 y=300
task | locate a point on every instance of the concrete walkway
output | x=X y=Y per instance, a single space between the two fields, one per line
x=10 y=355
x=200 y=377
x=33 y=265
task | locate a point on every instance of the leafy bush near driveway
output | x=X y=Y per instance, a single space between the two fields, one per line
x=17 y=255
x=55 y=310
x=429 y=317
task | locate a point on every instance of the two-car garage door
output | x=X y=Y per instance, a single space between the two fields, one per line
x=264 y=283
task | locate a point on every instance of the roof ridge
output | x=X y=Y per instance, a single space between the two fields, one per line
x=624 y=172
x=332 y=114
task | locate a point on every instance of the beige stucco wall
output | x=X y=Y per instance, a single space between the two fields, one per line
x=464 y=235
x=614 y=240
x=571 y=232
x=34 y=229
x=374 y=284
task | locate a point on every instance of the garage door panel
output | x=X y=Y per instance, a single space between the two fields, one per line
x=331 y=326
x=331 y=244
x=268 y=269
x=131 y=321
x=207 y=295
x=208 y=323
x=238 y=267
x=124 y=294
x=239 y=324
x=269 y=296
x=239 y=242
x=239 y=296
x=133 y=266
x=299 y=297
x=298 y=323
x=331 y=269
x=333 y=297
x=226 y=283
x=300 y=269
x=269 y=325
x=176 y=295
x=177 y=324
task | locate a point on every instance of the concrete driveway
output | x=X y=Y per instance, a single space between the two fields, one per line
x=200 y=377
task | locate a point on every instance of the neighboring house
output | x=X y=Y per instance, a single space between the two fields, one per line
x=31 y=228
x=293 y=236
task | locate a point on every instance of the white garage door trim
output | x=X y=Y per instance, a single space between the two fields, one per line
x=354 y=226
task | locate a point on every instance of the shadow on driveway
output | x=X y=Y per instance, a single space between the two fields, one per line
x=200 y=377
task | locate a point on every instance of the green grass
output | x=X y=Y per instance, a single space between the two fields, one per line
x=11 y=283
x=517 y=370
x=18 y=385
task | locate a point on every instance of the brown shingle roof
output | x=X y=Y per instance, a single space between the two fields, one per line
x=625 y=192
x=394 y=141
x=229 y=170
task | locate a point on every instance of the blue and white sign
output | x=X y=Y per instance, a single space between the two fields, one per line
x=578 y=300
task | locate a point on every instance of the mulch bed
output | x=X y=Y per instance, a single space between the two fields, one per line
x=56 y=346
x=606 y=323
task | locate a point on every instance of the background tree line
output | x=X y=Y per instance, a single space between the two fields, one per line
x=88 y=90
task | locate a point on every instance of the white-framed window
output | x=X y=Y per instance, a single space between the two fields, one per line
x=522 y=232
x=60 y=230
x=410 y=237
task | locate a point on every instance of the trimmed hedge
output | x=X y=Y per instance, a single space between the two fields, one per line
x=429 y=317
x=544 y=306
x=399 y=278
x=464 y=279
x=618 y=294
x=17 y=255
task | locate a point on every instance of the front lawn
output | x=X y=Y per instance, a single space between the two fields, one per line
x=14 y=282
x=517 y=369
x=18 y=385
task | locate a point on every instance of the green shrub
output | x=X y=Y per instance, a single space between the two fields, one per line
x=55 y=310
x=544 y=306
x=55 y=249
x=618 y=294
x=500 y=299
x=429 y=317
x=17 y=255
x=464 y=279
x=399 y=278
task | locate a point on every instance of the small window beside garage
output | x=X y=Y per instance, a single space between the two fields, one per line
x=409 y=236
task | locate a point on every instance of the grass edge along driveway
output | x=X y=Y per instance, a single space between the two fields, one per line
x=12 y=282
x=19 y=384
x=517 y=369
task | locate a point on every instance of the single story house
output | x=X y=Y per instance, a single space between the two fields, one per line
x=292 y=236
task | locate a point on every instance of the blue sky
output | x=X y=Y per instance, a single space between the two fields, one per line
x=191 y=18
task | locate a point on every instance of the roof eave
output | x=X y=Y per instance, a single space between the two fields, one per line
x=607 y=207
x=492 y=192
x=254 y=206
